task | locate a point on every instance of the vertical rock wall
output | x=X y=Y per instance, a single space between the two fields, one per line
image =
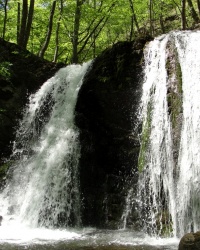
x=107 y=116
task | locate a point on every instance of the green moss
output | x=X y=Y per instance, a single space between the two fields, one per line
x=4 y=168
x=176 y=111
x=5 y=70
x=120 y=86
x=104 y=78
x=146 y=130
x=15 y=52
x=175 y=98
x=179 y=77
x=166 y=231
x=119 y=64
x=164 y=224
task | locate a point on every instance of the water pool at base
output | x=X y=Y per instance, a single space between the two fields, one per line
x=18 y=238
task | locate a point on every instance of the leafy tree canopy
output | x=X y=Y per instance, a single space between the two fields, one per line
x=81 y=29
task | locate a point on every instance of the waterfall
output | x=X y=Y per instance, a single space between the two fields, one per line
x=155 y=160
x=43 y=185
x=169 y=179
x=188 y=183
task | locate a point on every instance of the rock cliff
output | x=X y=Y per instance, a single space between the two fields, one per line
x=107 y=116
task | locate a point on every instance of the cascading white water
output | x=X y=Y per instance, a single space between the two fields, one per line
x=169 y=202
x=43 y=189
x=156 y=179
x=188 y=184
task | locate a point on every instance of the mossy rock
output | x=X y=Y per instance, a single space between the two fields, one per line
x=174 y=96
x=4 y=168
x=190 y=241
x=3 y=172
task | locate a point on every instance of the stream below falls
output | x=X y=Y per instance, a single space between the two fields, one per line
x=17 y=238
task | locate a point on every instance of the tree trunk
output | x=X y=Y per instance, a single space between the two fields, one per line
x=23 y=23
x=57 y=33
x=133 y=20
x=183 y=15
x=18 y=21
x=162 y=24
x=55 y=57
x=48 y=35
x=93 y=31
x=161 y=18
x=75 y=41
x=198 y=4
x=94 y=35
x=193 y=12
x=29 y=23
x=5 y=19
x=151 y=17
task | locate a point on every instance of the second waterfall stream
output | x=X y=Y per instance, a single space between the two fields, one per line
x=169 y=161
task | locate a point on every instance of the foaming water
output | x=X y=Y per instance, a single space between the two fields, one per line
x=86 y=238
x=17 y=233
x=43 y=184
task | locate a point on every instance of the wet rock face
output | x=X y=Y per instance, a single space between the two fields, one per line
x=107 y=116
x=1 y=218
x=21 y=73
x=190 y=241
x=174 y=98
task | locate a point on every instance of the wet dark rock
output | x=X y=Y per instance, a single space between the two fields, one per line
x=174 y=98
x=107 y=116
x=190 y=241
x=1 y=218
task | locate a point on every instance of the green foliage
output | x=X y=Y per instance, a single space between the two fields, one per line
x=5 y=70
x=102 y=23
